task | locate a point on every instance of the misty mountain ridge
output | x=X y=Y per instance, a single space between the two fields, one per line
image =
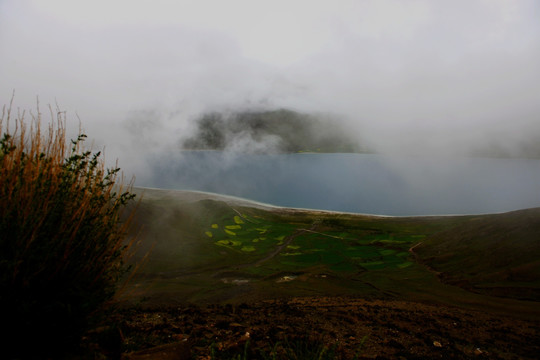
x=525 y=149
x=288 y=131
x=275 y=131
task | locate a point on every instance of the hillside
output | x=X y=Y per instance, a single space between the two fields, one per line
x=497 y=255
x=225 y=276
x=210 y=248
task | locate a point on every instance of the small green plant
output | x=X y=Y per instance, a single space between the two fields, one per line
x=308 y=348
x=62 y=235
x=214 y=355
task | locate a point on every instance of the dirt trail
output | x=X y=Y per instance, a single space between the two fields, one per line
x=287 y=241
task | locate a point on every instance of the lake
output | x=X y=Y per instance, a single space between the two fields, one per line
x=359 y=183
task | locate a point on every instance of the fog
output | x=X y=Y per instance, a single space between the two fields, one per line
x=436 y=77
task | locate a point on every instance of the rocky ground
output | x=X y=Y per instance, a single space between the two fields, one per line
x=345 y=328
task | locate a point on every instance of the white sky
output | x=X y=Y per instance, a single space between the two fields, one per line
x=438 y=73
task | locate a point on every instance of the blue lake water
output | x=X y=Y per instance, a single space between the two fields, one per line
x=360 y=183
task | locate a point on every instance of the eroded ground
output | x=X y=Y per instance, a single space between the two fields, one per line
x=367 y=329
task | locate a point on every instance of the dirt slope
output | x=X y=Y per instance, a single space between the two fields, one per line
x=369 y=329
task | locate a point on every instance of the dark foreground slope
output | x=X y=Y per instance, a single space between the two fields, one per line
x=229 y=275
x=327 y=328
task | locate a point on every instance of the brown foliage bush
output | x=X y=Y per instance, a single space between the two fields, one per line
x=62 y=237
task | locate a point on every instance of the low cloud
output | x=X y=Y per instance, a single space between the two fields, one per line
x=407 y=77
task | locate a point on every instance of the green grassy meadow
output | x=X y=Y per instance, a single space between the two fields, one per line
x=211 y=249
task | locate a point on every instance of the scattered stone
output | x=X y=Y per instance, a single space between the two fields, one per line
x=286 y=278
x=236 y=325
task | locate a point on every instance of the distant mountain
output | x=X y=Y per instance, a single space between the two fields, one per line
x=290 y=131
x=528 y=148
x=272 y=131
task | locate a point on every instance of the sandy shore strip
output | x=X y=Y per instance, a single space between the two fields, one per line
x=189 y=196
x=194 y=196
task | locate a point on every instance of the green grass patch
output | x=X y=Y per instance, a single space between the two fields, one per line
x=343 y=266
x=330 y=257
x=228 y=243
x=238 y=220
x=365 y=252
x=305 y=259
x=374 y=265
x=233 y=227
x=329 y=246
x=389 y=242
x=405 y=264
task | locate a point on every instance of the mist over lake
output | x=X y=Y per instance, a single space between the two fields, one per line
x=360 y=183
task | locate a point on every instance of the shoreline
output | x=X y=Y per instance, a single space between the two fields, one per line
x=196 y=195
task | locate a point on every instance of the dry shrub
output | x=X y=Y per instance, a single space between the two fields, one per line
x=62 y=237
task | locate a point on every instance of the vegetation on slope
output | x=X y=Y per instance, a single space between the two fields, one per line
x=62 y=242
x=211 y=250
x=218 y=250
x=496 y=254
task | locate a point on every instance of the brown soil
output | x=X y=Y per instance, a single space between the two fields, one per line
x=368 y=329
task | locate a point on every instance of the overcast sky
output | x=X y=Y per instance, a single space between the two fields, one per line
x=406 y=73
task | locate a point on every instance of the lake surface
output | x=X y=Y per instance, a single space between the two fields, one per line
x=360 y=183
